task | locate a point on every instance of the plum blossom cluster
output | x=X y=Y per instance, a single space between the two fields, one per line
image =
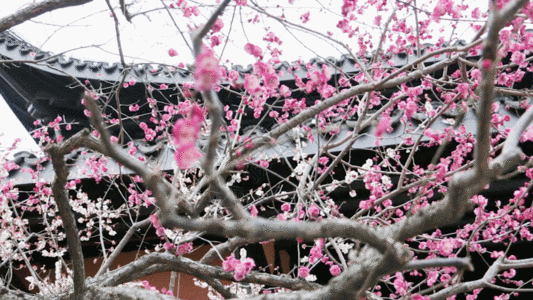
x=185 y=133
x=316 y=255
x=253 y=50
x=150 y=287
x=188 y=11
x=207 y=72
x=240 y=267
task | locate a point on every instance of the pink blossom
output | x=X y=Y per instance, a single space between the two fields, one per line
x=518 y=58
x=264 y=163
x=218 y=25
x=249 y=48
x=258 y=52
x=285 y=91
x=309 y=87
x=303 y=272
x=305 y=17
x=382 y=126
x=196 y=11
x=313 y=210
x=134 y=107
x=476 y=13
x=160 y=231
x=315 y=254
x=271 y=80
x=335 y=270
x=273 y=114
x=243 y=268
x=400 y=284
x=149 y=133
x=486 y=64
x=233 y=75
x=251 y=84
x=207 y=73
x=172 y=52
x=344 y=25
x=286 y=207
x=241 y=2
x=240 y=268
x=253 y=211
x=167 y=246
x=147 y=286
x=253 y=50
x=197 y=115
x=445 y=7
x=216 y=40
x=271 y=37
x=184 y=248
x=229 y=263
x=186 y=155
x=377 y=20
x=410 y=109
x=446 y=247
x=464 y=89
x=496 y=254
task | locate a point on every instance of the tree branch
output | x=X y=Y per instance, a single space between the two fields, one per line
x=65 y=210
x=36 y=9
x=134 y=227
x=164 y=262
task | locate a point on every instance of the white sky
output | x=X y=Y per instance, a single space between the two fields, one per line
x=90 y=30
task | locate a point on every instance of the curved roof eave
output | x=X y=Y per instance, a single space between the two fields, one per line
x=13 y=48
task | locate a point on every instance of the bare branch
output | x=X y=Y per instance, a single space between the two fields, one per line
x=461 y=263
x=164 y=262
x=258 y=229
x=37 y=9
x=134 y=227
x=198 y=36
x=65 y=210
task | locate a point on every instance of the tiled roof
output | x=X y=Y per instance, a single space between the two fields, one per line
x=15 y=49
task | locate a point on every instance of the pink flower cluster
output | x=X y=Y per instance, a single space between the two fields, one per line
x=313 y=211
x=383 y=126
x=159 y=229
x=303 y=271
x=218 y=25
x=185 y=134
x=184 y=248
x=305 y=17
x=253 y=50
x=446 y=7
x=150 y=287
x=208 y=71
x=319 y=79
x=172 y=52
x=240 y=267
